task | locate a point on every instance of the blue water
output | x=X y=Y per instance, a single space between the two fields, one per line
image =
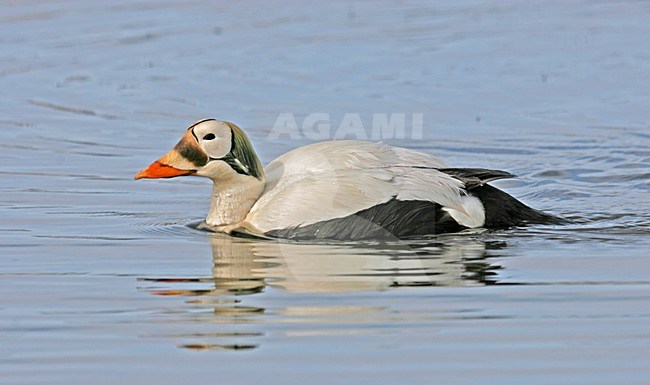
x=103 y=279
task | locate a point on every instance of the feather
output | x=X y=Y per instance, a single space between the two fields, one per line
x=331 y=180
x=473 y=177
x=502 y=210
x=391 y=220
x=242 y=153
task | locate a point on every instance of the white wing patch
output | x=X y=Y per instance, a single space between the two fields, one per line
x=335 y=179
x=320 y=196
x=472 y=215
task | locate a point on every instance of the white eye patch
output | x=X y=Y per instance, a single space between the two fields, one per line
x=215 y=138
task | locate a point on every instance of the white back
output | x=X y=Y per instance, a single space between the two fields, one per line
x=335 y=179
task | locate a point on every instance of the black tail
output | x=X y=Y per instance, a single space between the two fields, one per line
x=502 y=210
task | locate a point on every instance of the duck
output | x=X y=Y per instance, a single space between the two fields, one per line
x=340 y=190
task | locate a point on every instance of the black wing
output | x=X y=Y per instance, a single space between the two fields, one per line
x=475 y=177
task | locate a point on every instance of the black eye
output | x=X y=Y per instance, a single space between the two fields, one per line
x=209 y=137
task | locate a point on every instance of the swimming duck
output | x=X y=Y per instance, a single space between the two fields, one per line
x=343 y=190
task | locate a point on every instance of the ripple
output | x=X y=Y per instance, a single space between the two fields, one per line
x=219 y=334
x=49 y=174
x=201 y=347
x=88 y=237
x=613 y=178
x=73 y=110
x=553 y=174
x=168 y=228
x=68 y=191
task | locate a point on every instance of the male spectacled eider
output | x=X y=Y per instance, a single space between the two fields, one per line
x=341 y=190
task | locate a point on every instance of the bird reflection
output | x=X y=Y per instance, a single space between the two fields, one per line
x=244 y=266
x=247 y=266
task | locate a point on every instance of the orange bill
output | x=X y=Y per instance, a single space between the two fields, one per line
x=159 y=170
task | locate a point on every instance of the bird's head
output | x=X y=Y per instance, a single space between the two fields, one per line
x=210 y=148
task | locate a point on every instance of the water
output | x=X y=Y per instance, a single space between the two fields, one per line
x=105 y=281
